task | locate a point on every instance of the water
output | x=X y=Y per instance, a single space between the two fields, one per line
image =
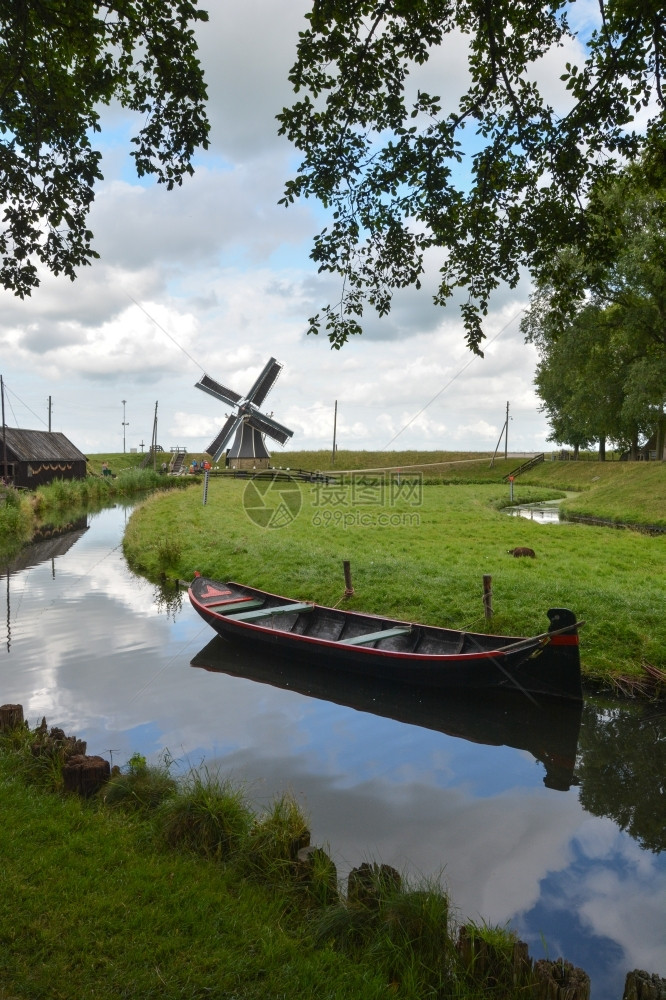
x=544 y=513
x=567 y=850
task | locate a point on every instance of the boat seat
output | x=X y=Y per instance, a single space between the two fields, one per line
x=235 y=604
x=357 y=640
x=278 y=609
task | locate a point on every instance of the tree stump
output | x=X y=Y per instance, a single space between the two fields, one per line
x=367 y=884
x=560 y=980
x=85 y=775
x=55 y=742
x=641 y=985
x=317 y=871
x=11 y=717
x=507 y=965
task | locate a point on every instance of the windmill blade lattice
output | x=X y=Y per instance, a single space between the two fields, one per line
x=266 y=425
x=218 y=444
x=218 y=390
x=264 y=383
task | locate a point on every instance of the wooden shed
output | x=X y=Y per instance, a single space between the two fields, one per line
x=38 y=457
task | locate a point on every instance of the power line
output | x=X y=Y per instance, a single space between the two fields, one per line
x=451 y=380
x=18 y=398
x=165 y=332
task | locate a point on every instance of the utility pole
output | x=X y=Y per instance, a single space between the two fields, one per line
x=125 y=424
x=153 y=446
x=5 y=477
x=49 y=414
x=335 y=426
x=504 y=433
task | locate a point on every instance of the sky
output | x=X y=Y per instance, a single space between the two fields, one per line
x=215 y=277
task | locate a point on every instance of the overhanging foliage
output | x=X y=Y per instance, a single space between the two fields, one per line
x=385 y=158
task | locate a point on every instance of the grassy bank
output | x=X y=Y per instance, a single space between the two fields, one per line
x=420 y=555
x=22 y=512
x=155 y=888
x=631 y=493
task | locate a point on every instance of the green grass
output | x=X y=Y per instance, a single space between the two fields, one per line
x=21 y=512
x=118 y=462
x=17 y=521
x=345 y=460
x=149 y=896
x=621 y=492
x=426 y=563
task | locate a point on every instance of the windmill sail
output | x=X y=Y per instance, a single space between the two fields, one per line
x=264 y=383
x=218 y=390
x=217 y=446
x=266 y=425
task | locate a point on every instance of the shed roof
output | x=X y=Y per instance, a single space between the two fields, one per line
x=40 y=446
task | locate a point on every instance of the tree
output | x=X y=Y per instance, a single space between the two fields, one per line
x=60 y=60
x=599 y=319
x=581 y=377
x=389 y=163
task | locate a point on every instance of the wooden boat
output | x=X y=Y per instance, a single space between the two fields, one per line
x=548 y=730
x=391 y=650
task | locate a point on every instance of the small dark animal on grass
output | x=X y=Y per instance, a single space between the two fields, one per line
x=522 y=552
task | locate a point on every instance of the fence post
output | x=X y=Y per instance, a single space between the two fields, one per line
x=488 y=596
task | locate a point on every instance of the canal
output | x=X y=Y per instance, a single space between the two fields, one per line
x=553 y=823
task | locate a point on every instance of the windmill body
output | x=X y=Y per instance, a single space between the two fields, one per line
x=248 y=423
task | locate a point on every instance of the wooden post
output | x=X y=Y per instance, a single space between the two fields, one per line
x=349 y=590
x=316 y=870
x=488 y=596
x=85 y=775
x=368 y=884
x=560 y=980
x=641 y=985
x=11 y=717
x=490 y=964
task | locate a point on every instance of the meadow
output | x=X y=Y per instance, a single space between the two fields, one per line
x=419 y=551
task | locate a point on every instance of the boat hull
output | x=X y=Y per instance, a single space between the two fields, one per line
x=394 y=651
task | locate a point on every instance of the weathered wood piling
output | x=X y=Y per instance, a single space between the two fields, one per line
x=85 y=775
x=11 y=717
x=641 y=985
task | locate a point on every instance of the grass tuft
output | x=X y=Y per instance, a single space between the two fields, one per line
x=275 y=839
x=210 y=817
x=142 y=787
x=402 y=932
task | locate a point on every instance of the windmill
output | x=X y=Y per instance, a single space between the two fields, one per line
x=250 y=425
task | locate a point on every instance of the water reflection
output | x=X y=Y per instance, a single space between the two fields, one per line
x=623 y=767
x=581 y=872
x=544 y=513
x=548 y=730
